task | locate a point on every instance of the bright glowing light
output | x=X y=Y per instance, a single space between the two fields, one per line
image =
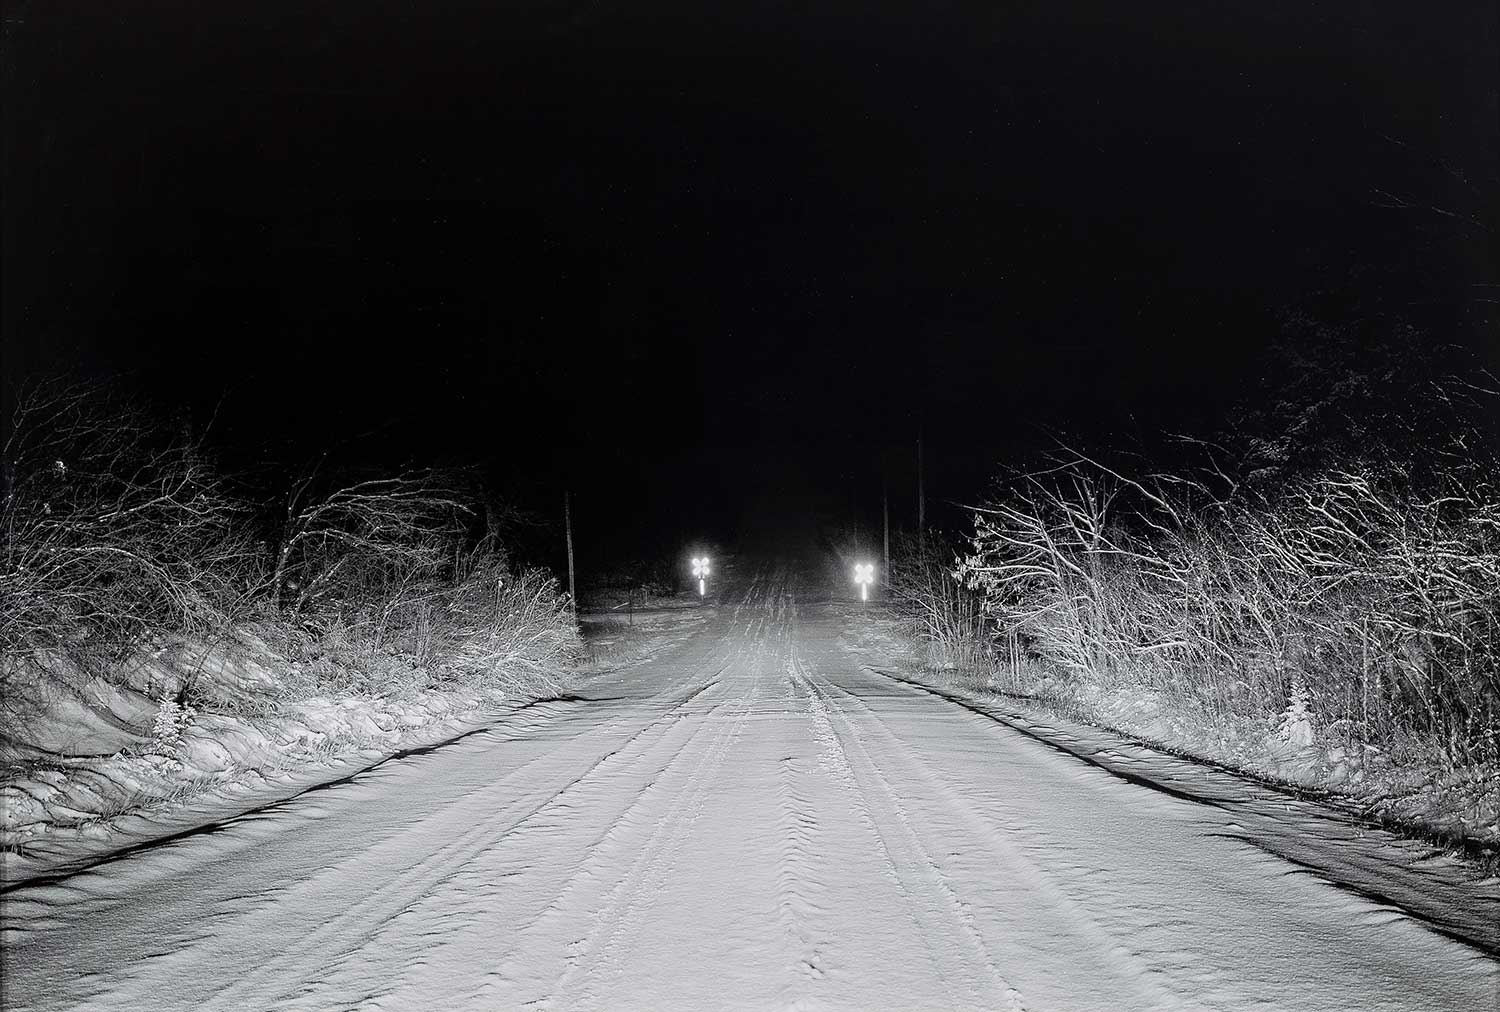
x=864 y=575
x=700 y=567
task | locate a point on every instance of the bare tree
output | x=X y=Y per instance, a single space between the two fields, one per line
x=400 y=528
x=114 y=530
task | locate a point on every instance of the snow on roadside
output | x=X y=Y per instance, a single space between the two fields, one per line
x=1402 y=793
x=59 y=811
x=1415 y=792
x=97 y=768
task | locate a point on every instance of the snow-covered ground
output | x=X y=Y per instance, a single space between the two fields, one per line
x=65 y=812
x=94 y=767
x=1418 y=792
x=755 y=820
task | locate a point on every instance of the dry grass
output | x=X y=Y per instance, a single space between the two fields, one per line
x=941 y=613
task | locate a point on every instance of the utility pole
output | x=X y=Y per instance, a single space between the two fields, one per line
x=921 y=497
x=568 y=525
x=885 y=520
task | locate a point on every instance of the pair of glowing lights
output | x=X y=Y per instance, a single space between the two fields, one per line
x=864 y=575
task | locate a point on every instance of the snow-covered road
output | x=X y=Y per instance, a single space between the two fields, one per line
x=753 y=820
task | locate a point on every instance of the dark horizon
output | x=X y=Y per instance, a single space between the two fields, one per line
x=681 y=262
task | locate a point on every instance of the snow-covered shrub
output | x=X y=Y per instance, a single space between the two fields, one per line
x=171 y=721
x=116 y=532
x=1375 y=593
x=375 y=575
x=1296 y=720
x=119 y=540
x=510 y=631
x=938 y=610
x=482 y=626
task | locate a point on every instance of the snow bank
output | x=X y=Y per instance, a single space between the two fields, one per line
x=185 y=736
x=179 y=738
x=58 y=810
x=1412 y=793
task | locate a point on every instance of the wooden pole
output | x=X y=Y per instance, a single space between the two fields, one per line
x=885 y=520
x=921 y=497
x=568 y=524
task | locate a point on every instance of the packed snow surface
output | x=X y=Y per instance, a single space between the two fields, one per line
x=754 y=820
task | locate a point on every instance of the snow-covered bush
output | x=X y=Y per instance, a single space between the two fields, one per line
x=937 y=608
x=481 y=625
x=1376 y=595
x=119 y=540
x=509 y=631
x=171 y=721
x=115 y=532
x=1296 y=728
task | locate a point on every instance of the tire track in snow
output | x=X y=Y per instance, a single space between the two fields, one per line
x=596 y=863
x=919 y=857
x=1130 y=967
x=834 y=761
x=1431 y=903
x=797 y=887
x=467 y=933
x=636 y=887
x=353 y=925
x=648 y=875
x=650 y=872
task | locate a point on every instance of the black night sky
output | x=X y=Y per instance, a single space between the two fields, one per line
x=710 y=263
